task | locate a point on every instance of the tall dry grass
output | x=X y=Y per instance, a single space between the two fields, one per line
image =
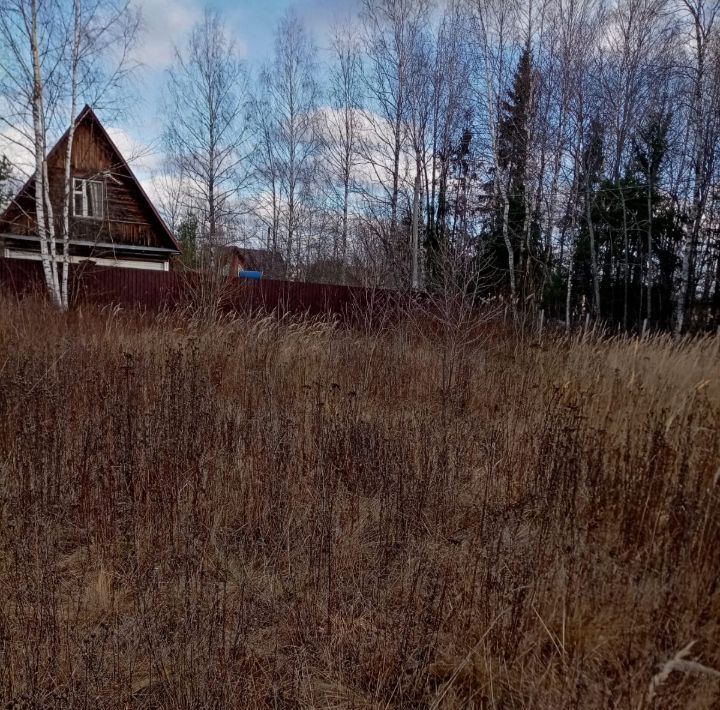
x=285 y=514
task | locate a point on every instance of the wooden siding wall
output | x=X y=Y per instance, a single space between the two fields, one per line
x=126 y=220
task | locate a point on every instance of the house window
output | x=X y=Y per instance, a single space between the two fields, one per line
x=88 y=198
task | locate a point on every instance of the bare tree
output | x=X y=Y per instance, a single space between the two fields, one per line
x=420 y=103
x=287 y=121
x=702 y=132
x=392 y=32
x=450 y=135
x=494 y=23
x=575 y=35
x=207 y=130
x=266 y=171
x=171 y=196
x=342 y=129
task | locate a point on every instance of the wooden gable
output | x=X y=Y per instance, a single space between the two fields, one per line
x=128 y=216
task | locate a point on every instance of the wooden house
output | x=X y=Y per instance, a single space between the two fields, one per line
x=112 y=220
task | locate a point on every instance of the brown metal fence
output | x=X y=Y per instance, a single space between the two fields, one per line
x=155 y=290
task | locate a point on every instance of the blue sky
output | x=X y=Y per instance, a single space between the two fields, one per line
x=168 y=22
x=252 y=22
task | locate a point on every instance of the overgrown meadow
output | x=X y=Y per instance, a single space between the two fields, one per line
x=289 y=513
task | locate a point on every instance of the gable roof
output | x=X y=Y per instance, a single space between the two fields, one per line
x=265 y=260
x=87 y=114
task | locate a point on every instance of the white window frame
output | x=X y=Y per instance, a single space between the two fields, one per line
x=81 y=189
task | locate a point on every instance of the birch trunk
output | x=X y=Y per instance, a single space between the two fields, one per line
x=417 y=189
x=593 y=253
x=67 y=176
x=648 y=265
x=397 y=149
x=571 y=266
x=345 y=221
x=568 y=295
x=509 y=246
x=702 y=26
x=45 y=234
x=683 y=287
x=626 y=264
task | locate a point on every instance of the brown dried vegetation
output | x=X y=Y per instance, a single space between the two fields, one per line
x=285 y=514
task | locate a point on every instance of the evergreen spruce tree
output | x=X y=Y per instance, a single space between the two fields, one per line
x=187 y=235
x=6 y=192
x=635 y=229
x=513 y=155
x=661 y=223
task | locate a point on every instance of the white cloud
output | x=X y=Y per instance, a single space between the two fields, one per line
x=18 y=150
x=166 y=192
x=373 y=136
x=166 y=23
x=321 y=15
x=142 y=158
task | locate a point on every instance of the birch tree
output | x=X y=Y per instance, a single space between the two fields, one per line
x=57 y=54
x=702 y=17
x=493 y=24
x=575 y=31
x=207 y=130
x=392 y=32
x=287 y=119
x=266 y=171
x=450 y=120
x=420 y=114
x=342 y=128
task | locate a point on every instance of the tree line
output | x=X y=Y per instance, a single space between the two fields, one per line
x=557 y=154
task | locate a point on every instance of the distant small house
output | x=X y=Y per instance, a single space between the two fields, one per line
x=265 y=261
x=112 y=220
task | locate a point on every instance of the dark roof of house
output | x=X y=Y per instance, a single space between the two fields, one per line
x=265 y=260
x=87 y=114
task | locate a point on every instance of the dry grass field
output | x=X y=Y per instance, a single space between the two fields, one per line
x=292 y=514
